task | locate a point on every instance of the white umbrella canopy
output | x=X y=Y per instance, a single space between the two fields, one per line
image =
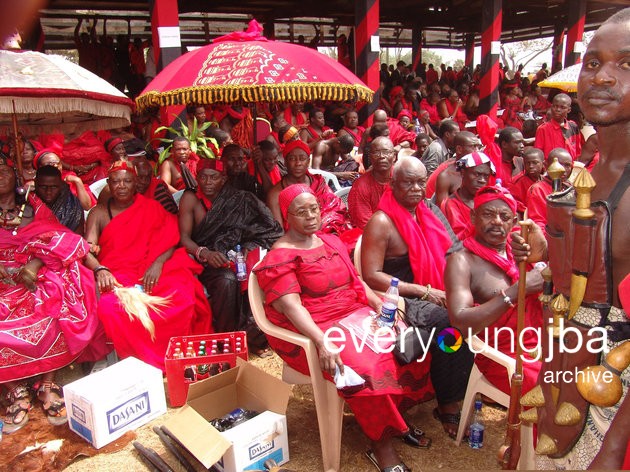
x=48 y=93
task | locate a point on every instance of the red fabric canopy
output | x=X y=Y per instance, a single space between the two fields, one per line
x=246 y=67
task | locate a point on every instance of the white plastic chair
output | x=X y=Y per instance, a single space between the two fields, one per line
x=331 y=178
x=328 y=404
x=343 y=194
x=97 y=187
x=477 y=383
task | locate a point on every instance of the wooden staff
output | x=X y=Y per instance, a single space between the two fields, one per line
x=18 y=145
x=510 y=452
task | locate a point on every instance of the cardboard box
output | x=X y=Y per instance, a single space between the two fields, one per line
x=176 y=382
x=248 y=445
x=103 y=406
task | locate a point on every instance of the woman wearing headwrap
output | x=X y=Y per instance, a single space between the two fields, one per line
x=47 y=303
x=310 y=285
x=334 y=215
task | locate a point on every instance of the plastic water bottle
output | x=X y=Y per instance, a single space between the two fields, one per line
x=241 y=268
x=417 y=126
x=499 y=183
x=387 y=317
x=475 y=434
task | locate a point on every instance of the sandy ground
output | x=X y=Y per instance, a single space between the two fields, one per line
x=304 y=446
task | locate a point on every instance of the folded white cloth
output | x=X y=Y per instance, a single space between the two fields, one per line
x=349 y=378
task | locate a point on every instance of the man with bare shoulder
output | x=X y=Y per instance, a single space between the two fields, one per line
x=407 y=238
x=179 y=170
x=482 y=284
x=600 y=439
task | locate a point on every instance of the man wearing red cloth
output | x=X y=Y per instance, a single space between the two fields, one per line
x=429 y=104
x=408 y=238
x=335 y=217
x=180 y=169
x=446 y=178
x=264 y=164
x=482 y=285
x=537 y=194
x=475 y=169
x=367 y=190
x=316 y=130
x=152 y=187
x=511 y=144
x=351 y=127
x=560 y=131
x=452 y=108
x=47 y=302
x=137 y=239
x=432 y=75
x=534 y=163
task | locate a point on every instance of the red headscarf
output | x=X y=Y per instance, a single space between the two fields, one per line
x=288 y=195
x=404 y=112
x=121 y=165
x=298 y=143
x=113 y=143
x=41 y=154
x=491 y=193
x=214 y=164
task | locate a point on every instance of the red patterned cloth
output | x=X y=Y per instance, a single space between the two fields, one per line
x=49 y=328
x=87 y=149
x=495 y=373
x=149 y=231
x=426 y=238
x=334 y=214
x=330 y=290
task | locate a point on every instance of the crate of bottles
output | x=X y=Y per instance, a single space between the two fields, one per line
x=190 y=359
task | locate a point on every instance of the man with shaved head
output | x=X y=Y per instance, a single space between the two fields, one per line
x=407 y=238
x=559 y=131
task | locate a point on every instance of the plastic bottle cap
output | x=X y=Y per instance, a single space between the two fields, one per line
x=394 y=282
x=238 y=248
x=478 y=404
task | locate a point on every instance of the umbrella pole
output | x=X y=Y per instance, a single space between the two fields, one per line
x=18 y=144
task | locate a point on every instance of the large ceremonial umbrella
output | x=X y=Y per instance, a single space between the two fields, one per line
x=566 y=79
x=48 y=93
x=244 y=67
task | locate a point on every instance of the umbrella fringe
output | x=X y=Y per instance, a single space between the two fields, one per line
x=286 y=92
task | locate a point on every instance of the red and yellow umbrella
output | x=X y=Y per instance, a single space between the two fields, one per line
x=244 y=67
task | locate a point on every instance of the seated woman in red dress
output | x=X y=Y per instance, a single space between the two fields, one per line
x=47 y=304
x=310 y=285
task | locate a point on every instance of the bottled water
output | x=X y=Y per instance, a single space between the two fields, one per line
x=241 y=268
x=387 y=317
x=475 y=433
x=417 y=126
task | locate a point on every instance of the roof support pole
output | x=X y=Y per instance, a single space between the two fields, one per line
x=366 y=21
x=558 y=40
x=491 y=19
x=469 y=57
x=416 y=47
x=166 y=42
x=576 y=17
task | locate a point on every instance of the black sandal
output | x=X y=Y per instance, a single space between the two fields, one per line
x=17 y=397
x=415 y=437
x=56 y=409
x=446 y=419
x=392 y=468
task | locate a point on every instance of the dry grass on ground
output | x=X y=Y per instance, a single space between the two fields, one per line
x=304 y=444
